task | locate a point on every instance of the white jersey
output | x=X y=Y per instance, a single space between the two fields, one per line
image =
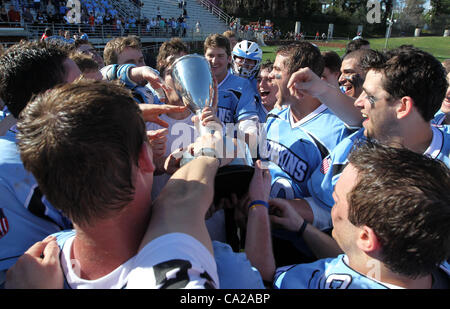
x=174 y=261
x=117 y=279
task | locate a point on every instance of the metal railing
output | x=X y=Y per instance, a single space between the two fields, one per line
x=212 y=8
x=126 y=8
x=100 y=32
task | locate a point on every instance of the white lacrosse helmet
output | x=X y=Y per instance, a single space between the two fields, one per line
x=247 y=50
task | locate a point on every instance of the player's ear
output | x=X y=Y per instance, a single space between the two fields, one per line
x=146 y=158
x=367 y=240
x=404 y=107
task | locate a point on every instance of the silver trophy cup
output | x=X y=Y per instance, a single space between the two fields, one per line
x=194 y=84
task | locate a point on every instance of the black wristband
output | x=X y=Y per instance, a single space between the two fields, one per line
x=302 y=228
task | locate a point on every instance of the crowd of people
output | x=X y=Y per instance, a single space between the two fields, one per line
x=93 y=14
x=349 y=160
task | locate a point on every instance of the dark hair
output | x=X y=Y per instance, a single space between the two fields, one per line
x=332 y=61
x=79 y=42
x=355 y=45
x=446 y=64
x=404 y=198
x=409 y=71
x=365 y=58
x=81 y=141
x=266 y=65
x=28 y=68
x=169 y=48
x=302 y=55
x=84 y=62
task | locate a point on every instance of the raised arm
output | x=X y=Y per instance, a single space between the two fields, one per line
x=306 y=81
x=182 y=204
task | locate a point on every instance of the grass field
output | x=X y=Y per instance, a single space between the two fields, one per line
x=437 y=46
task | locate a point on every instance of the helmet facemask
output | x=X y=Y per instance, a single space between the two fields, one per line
x=243 y=52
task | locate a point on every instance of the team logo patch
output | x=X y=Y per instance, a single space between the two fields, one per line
x=4 y=227
x=325 y=166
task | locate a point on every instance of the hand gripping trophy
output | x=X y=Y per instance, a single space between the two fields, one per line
x=194 y=84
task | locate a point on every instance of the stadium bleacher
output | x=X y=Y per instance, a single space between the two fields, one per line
x=104 y=19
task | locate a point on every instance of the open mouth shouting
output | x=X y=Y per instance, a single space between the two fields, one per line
x=351 y=84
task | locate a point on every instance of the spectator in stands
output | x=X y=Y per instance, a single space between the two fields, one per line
x=174 y=25
x=13 y=15
x=3 y=15
x=92 y=22
x=332 y=69
x=184 y=28
x=158 y=13
x=41 y=18
x=124 y=50
x=51 y=10
x=27 y=16
x=161 y=24
x=62 y=9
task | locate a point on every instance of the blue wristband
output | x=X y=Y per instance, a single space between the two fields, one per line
x=258 y=203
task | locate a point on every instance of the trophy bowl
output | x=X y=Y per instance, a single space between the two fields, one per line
x=194 y=84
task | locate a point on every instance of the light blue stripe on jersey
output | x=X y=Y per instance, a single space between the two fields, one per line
x=236 y=100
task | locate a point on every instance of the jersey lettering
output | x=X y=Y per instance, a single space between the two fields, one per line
x=224 y=115
x=287 y=160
